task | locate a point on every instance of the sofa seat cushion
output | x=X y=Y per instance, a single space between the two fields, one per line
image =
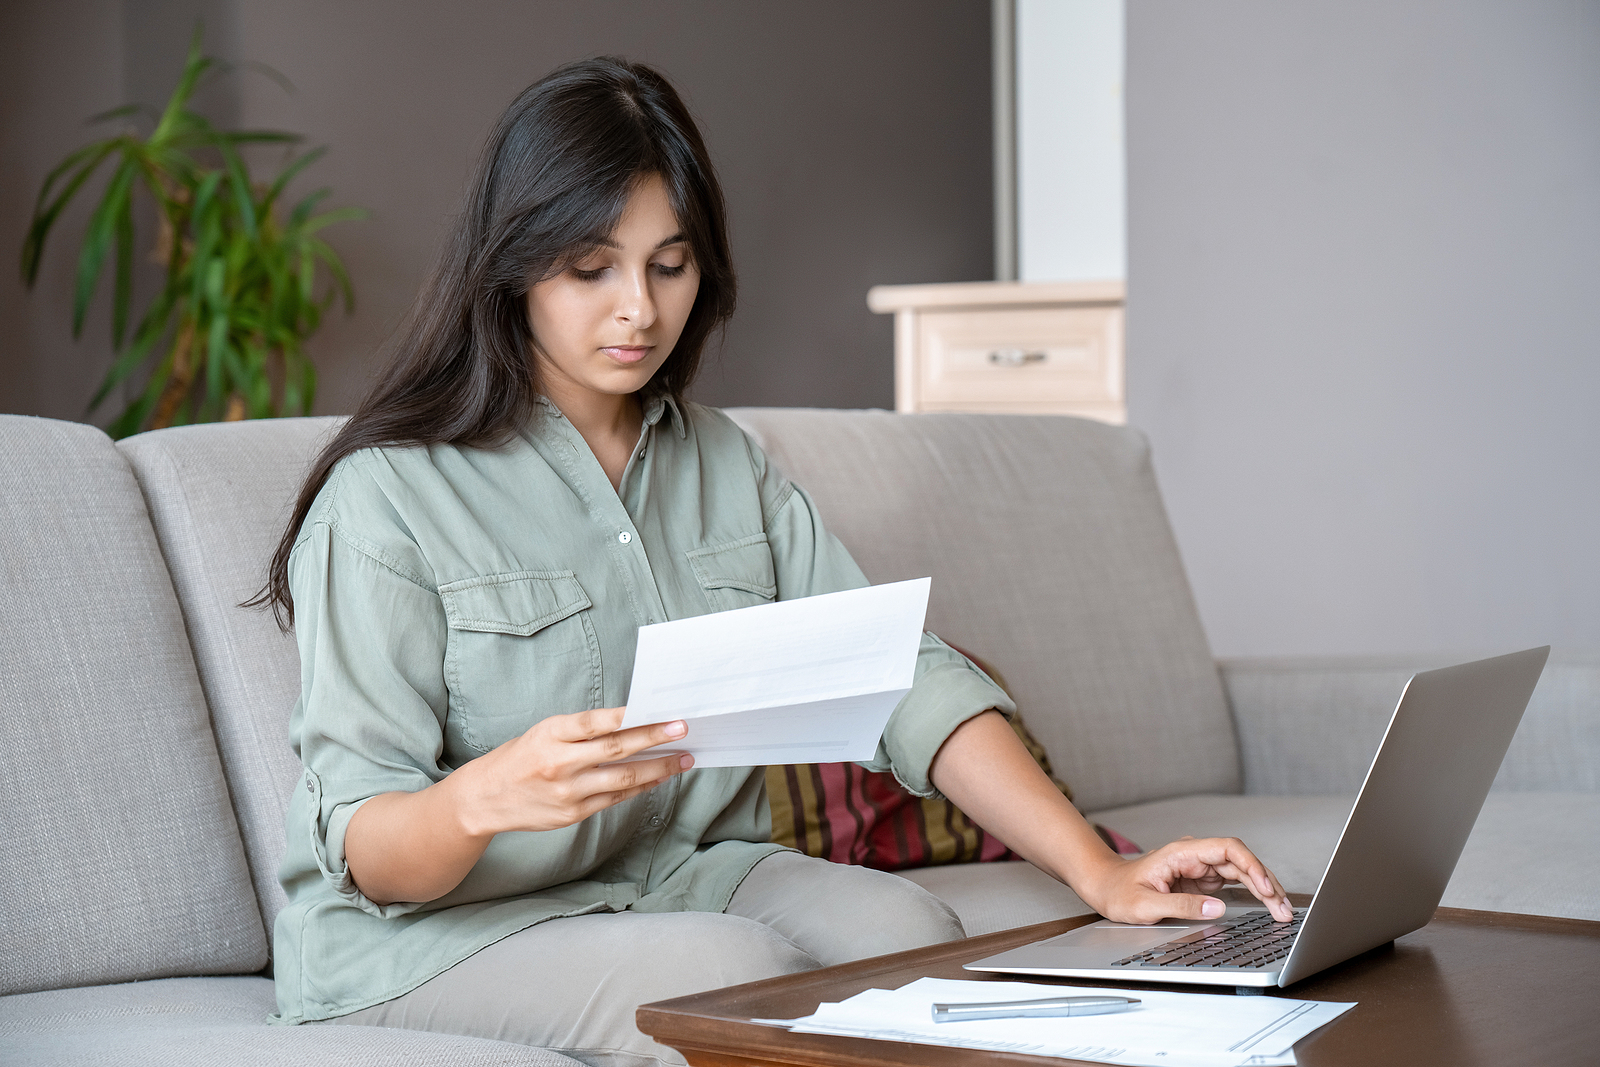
x=1533 y=853
x=178 y=1021
x=998 y=896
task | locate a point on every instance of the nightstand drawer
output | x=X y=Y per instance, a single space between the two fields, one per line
x=1021 y=360
x=1047 y=348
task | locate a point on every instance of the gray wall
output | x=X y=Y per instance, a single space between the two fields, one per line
x=59 y=62
x=1364 y=316
x=853 y=142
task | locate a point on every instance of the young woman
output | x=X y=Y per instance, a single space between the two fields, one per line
x=466 y=570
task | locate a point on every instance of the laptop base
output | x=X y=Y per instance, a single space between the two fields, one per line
x=1094 y=951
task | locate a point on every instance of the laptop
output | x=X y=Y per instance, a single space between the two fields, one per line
x=1400 y=844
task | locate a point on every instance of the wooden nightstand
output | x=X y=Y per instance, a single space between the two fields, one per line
x=1023 y=347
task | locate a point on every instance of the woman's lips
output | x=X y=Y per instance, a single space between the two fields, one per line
x=628 y=353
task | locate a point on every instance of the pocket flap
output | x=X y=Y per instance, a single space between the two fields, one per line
x=743 y=564
x=520 y=603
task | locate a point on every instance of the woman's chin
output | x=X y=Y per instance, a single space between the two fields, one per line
x=621 y=378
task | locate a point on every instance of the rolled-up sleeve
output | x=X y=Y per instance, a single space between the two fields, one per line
x=373 y=699
x=947 y=689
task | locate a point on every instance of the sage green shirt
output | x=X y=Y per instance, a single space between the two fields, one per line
x=448 y=598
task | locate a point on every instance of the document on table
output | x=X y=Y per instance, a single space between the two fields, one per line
x=1163 y=1030
x=800 y=681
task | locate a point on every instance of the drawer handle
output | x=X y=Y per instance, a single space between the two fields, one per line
x=1015 y=357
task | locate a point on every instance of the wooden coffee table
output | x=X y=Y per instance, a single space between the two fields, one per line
x=1471 y=987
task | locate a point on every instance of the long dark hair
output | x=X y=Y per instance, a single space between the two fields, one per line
x=551 y=184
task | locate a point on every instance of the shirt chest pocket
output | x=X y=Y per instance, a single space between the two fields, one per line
x=521 y=647
x=738 y=574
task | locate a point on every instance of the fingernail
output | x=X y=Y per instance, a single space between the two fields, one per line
x=677 y=729
x=1212 y=908
x=686 y=761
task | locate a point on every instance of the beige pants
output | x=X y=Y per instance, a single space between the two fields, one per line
x=573 y=984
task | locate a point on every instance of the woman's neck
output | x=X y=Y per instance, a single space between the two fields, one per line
x=609 y=425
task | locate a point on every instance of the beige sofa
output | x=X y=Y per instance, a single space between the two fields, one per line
x=145 y=764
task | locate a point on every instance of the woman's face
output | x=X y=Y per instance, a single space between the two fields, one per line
x=609 y=321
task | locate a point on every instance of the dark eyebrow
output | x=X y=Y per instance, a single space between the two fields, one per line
x=677 y=238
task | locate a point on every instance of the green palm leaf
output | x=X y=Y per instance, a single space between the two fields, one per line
x=98 y=241
x=226 y=332
x=88 y=160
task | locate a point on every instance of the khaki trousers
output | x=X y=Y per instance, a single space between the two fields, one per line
x=572 y=984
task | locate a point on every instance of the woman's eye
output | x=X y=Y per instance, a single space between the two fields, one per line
x=588 y=275
x=671 y=272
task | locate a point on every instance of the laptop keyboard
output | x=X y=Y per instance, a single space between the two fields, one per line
x=1251 y=941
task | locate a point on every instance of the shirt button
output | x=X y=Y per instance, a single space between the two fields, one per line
x=655 y=820
x=624 y=537
x=309 y=787
x=641 y=453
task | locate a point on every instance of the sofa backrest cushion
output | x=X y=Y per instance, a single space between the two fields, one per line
x=1051 y=557
x=119 y=855
x=219 y=496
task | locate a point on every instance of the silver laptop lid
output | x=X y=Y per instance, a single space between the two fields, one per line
x=1417 y=806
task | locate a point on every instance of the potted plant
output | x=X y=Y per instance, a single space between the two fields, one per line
x=246 y=282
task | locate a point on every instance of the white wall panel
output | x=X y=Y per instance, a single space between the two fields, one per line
x=1070 y=174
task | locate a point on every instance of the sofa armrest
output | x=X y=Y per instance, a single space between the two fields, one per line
x=1311 y=725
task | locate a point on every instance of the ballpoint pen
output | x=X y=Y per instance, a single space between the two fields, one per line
x=1030 y=1009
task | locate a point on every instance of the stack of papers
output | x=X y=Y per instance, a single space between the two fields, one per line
x=800 y=681
x=1171 y=1029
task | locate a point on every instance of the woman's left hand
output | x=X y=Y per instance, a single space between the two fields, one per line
x=1174 y=881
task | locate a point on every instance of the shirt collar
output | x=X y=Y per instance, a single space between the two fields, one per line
x=654 y=407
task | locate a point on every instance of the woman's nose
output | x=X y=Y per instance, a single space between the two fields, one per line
x=637 y=306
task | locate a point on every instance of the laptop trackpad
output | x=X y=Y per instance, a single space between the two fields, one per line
x=1122 y=939
x=1096 y=945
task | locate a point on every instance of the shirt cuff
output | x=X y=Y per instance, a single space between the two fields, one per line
x=940 y=700
x=328 y=845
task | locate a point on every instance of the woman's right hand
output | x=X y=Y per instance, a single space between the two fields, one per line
x=419 y=846
x=563 y=770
